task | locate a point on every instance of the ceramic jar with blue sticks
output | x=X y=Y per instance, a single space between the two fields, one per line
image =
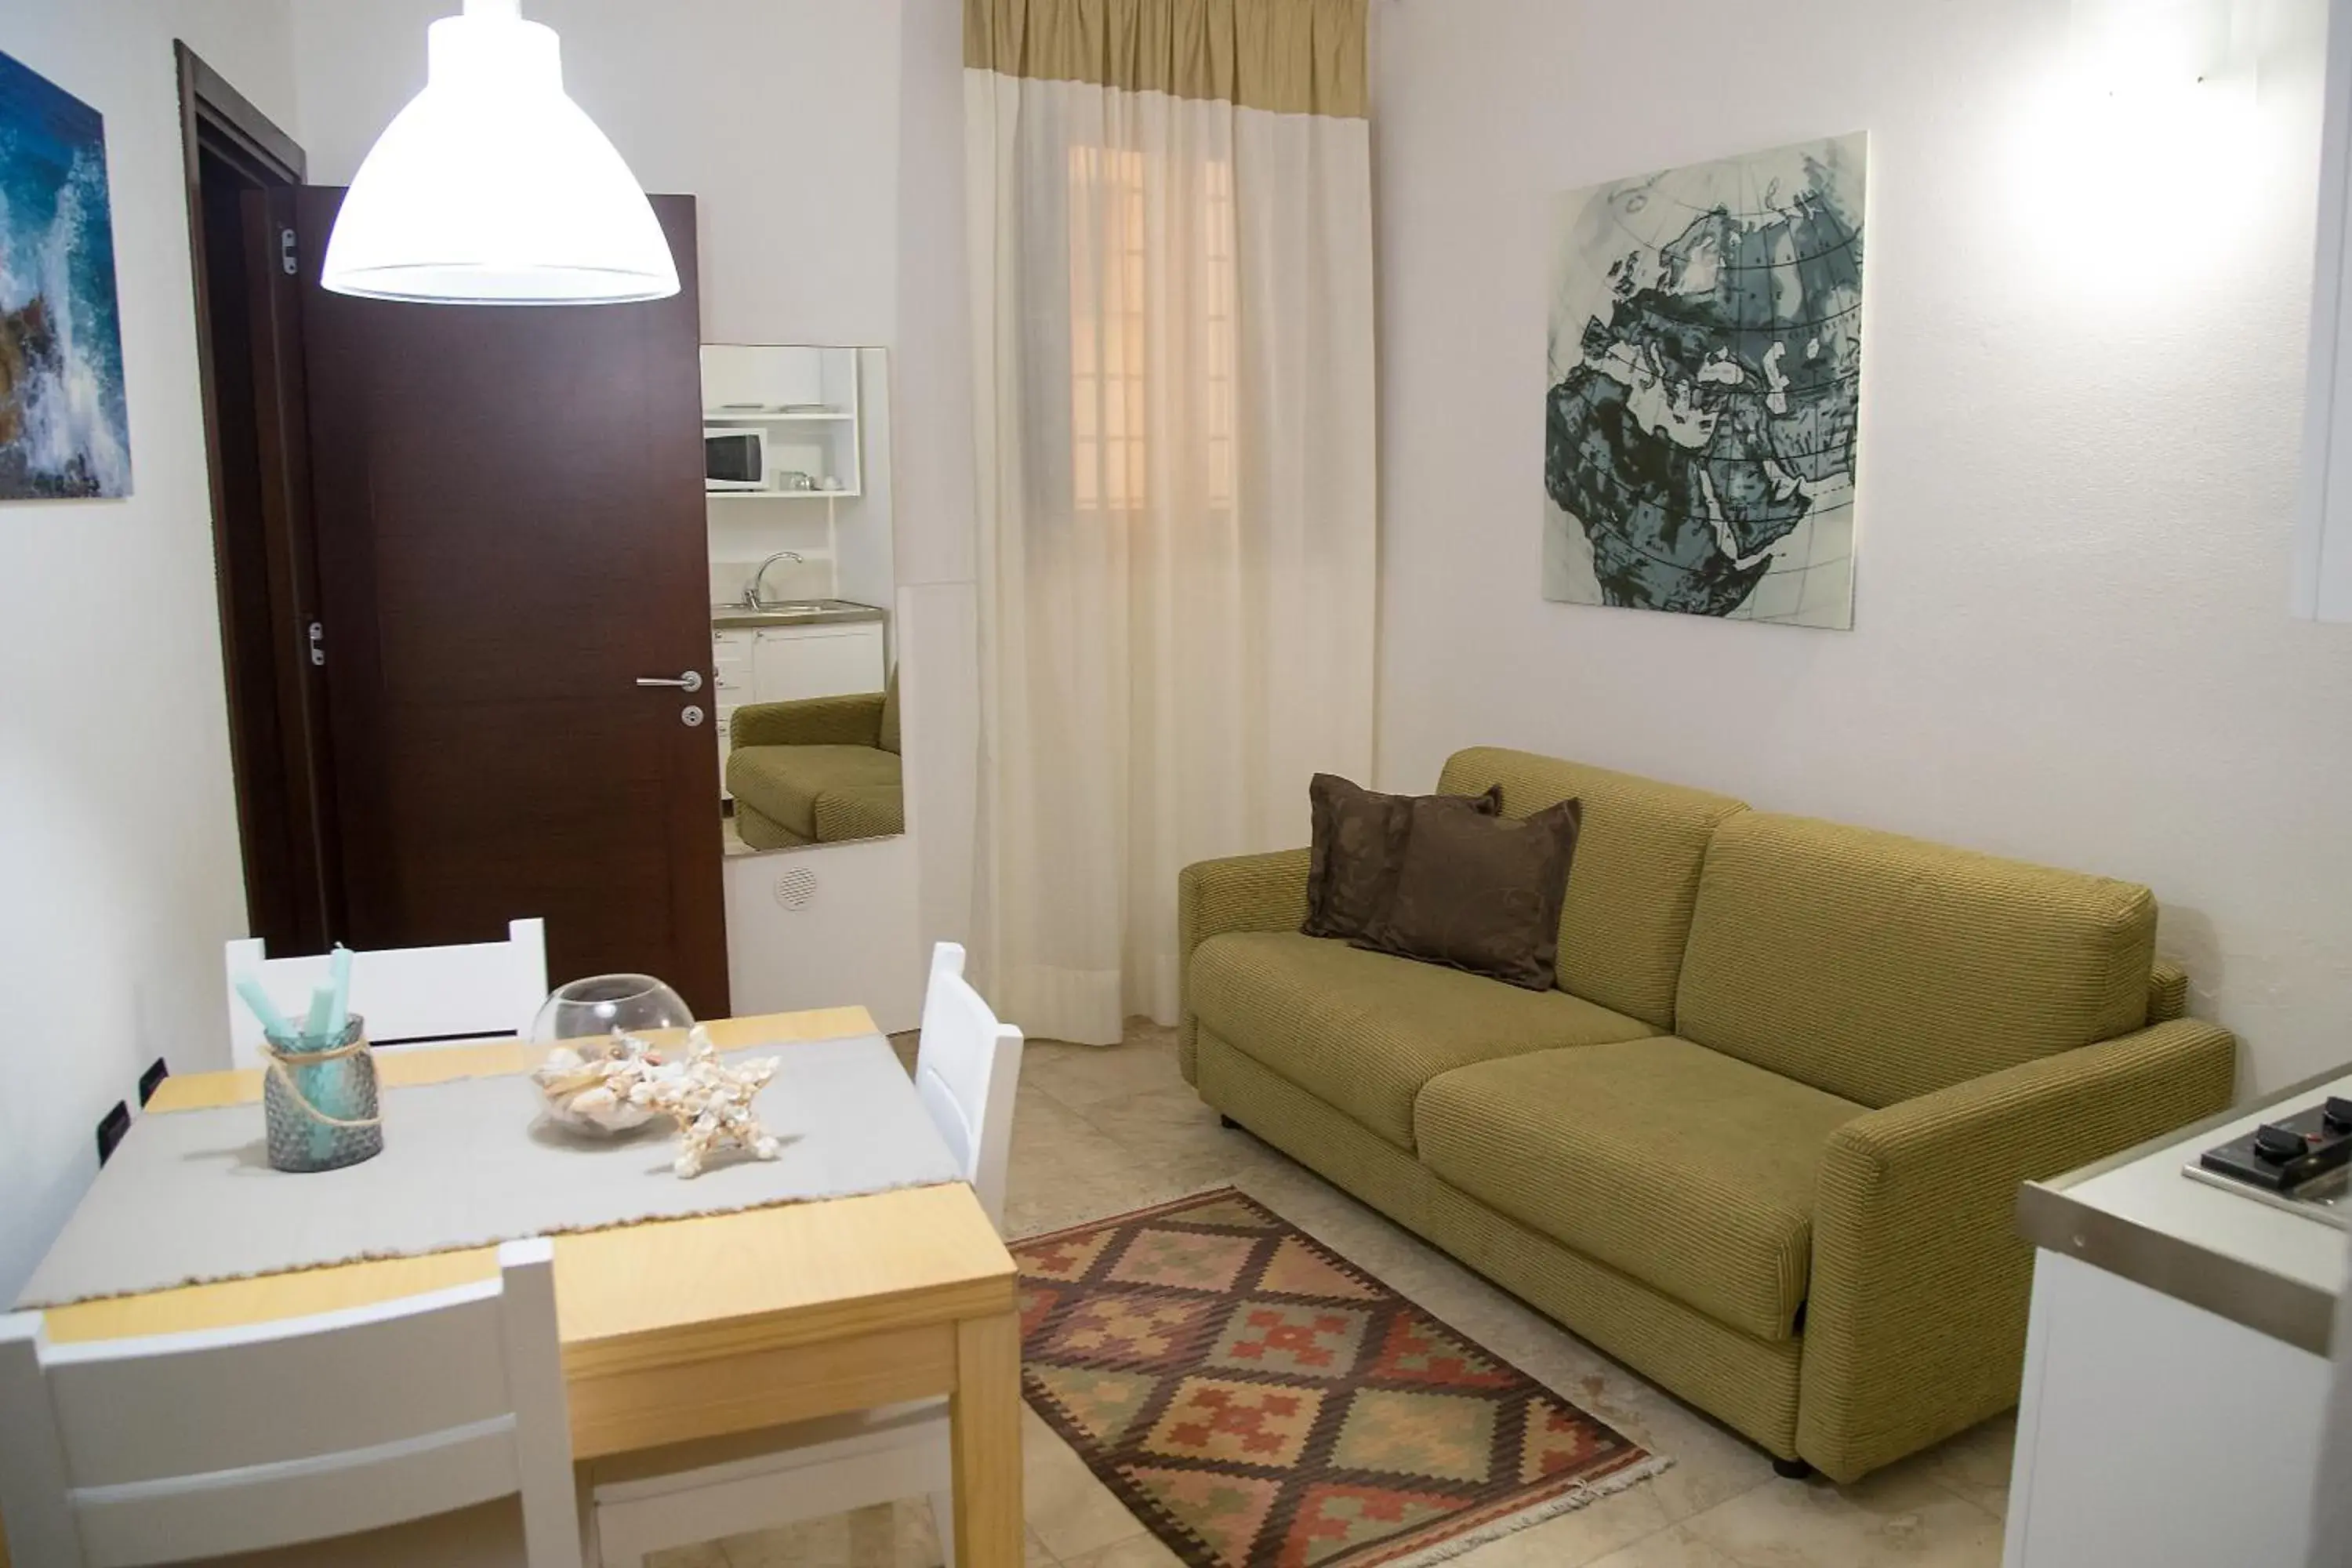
x=319 y=1092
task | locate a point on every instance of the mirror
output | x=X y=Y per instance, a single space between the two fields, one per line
x=796 y=449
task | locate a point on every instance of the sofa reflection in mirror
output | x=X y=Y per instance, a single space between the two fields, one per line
x=818 y=771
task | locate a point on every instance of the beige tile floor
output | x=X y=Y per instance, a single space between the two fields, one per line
x=1100 y=1131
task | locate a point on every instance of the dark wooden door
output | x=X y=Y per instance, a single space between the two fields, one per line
x=508 y=510
x=234 y=154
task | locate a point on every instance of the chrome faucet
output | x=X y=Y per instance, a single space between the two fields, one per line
x=751 y=600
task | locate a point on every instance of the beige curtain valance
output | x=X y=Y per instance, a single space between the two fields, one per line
x=1289 y=56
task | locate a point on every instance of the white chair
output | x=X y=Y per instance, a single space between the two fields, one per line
x=406 y=994
x=125 y=1452
x=967 y=1070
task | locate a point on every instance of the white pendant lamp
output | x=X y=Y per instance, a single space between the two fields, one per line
x=493 y=188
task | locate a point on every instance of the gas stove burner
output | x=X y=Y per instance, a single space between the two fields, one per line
x=2301 y=1162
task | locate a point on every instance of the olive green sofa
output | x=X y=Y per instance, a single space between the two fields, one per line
x=817 y=771
x=1762 y=1142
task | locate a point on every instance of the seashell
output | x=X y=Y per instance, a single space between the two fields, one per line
x=599 y=1093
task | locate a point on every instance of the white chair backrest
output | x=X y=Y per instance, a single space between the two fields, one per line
x=967 y=1070
x=123 y=1452
x=405 y=993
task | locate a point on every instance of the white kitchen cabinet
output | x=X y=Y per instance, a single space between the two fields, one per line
x=785 y=664
x=730 y=668
x=2177 y=1374
x=792 y=662
x=2103 y=1472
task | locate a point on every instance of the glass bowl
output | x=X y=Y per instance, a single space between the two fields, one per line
x=605 y=1005
x=598 y=1038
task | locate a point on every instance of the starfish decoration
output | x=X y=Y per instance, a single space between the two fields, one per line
x=712 y=1103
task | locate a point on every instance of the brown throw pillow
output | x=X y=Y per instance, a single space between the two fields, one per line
x=1481 y=893
x=1359 y=837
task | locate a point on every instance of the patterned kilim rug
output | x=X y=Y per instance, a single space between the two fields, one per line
x=1261 y=1402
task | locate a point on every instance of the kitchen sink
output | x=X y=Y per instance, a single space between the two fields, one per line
x=785 y=607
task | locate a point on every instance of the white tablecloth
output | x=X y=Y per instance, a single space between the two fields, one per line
x=189 y=1195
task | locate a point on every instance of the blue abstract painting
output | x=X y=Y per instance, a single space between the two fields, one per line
x=1701 y=409
x=64 y=428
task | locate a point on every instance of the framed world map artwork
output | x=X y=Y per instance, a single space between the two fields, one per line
x=1701 y=403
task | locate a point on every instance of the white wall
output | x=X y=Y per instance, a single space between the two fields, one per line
x=2082 y=377
x=118 y=869
x=800 y=925
x=781 y=118
x=937 y=525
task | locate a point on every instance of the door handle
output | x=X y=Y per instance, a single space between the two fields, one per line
x=690 y=681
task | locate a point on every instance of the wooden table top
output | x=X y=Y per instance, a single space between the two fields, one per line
x=649 y=1292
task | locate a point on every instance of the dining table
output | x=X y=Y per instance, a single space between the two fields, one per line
x=679 y=1330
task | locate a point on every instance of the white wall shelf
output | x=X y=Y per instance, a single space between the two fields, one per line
x=809 y=402
x=775 y=417
x=781 y=495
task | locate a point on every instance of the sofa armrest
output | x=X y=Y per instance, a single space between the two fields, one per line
x=2168 y=992
x=1245 y=892
x=854 y=720
x=860 y=810
x=1914 y=1325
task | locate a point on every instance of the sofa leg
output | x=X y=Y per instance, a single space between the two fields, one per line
x=1227 y=1123
x=1791 y=1469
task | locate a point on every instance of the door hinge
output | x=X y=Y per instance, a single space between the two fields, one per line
x=317 y=644
x=286 y=253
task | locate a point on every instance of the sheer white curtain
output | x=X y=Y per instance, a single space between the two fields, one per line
x=1170 y=232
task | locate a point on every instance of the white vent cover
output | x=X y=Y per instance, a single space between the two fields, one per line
x=796 y=888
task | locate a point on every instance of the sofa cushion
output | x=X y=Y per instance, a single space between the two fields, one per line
x=1638 y=853
x=785 y=782
x=1362 y=1031
x=1691 y=1170
x=1480 y=893
x=1880 y=968
x=861 y=811
x=1359 y=837
x=761 y=832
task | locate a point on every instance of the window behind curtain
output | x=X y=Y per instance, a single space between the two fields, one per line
x=1111 y=337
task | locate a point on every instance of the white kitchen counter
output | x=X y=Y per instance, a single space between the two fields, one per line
x=793 y=613
x=2176 y=1367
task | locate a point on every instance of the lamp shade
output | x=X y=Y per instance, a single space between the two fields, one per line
x=493 y=188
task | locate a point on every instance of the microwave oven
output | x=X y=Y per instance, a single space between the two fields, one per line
x=734 y=459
